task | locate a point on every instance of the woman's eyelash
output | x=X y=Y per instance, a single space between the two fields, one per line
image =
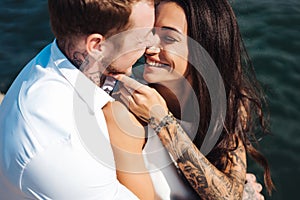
x=170 y=39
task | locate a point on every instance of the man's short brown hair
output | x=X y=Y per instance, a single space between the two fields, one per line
x=71 y=18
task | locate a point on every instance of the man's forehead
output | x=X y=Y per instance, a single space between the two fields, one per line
x=142 y=14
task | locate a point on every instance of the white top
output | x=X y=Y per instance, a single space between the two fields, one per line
x=54 y=142
x=168 y=182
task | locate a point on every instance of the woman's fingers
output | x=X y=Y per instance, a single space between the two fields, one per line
x=252 y=188
x=258 y=187
x=125 y=96
x=260 y=196
x=128 y=82
x=250 y=177
x=251 y=180
x=142 y=100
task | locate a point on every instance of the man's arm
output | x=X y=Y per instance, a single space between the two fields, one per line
x=63 y=172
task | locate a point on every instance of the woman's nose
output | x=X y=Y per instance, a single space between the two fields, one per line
x=153 y=40
x=152 y=50
x=154 y=47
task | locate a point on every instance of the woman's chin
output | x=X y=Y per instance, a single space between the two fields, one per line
x=149 y=78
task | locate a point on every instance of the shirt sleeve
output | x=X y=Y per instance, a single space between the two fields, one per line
x=62 y=173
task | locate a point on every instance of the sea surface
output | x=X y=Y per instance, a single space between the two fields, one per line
x=271 y=31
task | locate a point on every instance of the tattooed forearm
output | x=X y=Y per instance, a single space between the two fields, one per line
x=204 y=177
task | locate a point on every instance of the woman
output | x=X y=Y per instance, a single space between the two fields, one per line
x=221 y=174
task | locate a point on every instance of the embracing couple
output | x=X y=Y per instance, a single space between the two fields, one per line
x=74 y=125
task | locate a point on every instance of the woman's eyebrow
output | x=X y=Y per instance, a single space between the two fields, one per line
x=171 y=28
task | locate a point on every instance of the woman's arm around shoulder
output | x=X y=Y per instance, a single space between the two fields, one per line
x=208 y=181
x=127 y=138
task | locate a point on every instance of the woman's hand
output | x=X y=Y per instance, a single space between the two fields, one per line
x=252 y=188
x=143 y=101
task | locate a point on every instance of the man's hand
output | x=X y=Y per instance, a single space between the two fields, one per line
x=252 y=188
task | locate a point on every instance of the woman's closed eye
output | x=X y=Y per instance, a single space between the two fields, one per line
x=169 y=39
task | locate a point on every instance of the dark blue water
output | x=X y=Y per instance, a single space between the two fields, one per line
x=24 y=30
x=271 y=30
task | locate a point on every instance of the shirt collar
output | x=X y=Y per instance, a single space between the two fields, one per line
x=93 y=95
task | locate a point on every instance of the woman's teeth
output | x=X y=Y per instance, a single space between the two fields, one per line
x=156 y=64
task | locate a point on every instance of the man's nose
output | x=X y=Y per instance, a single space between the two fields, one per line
x=154 y=40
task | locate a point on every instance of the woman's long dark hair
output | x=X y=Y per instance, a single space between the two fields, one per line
x=212 y=23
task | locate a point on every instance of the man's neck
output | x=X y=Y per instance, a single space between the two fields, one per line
x=76 y=54
x=79 y=57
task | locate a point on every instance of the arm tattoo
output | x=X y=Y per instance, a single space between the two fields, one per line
x=203 y=176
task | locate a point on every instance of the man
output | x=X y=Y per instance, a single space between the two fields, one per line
x=54 y=140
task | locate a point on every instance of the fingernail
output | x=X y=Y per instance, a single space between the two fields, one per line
x=260 y=197
x=116 y=76
x=251 y=177
x=259 y=187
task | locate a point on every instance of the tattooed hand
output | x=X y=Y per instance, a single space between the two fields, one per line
x=252 y=189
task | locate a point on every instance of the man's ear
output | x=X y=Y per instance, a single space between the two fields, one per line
x=93 y=45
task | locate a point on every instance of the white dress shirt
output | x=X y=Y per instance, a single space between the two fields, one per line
x=54 y=142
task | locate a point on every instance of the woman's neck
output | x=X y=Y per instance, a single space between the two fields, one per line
x=178 y=95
